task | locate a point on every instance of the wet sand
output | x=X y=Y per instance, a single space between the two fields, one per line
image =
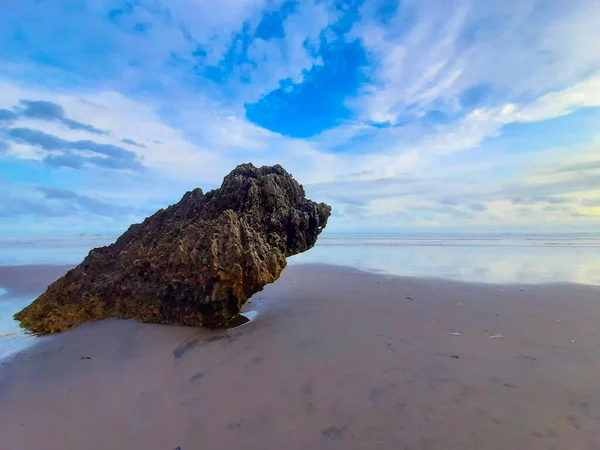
x=335 y=359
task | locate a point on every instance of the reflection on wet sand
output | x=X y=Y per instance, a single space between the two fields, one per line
x=477 y=258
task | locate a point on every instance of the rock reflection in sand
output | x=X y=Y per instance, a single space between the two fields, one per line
x=204 y=336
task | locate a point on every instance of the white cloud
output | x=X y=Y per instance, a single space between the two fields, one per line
x=556 y=104
x=201 y=151
x=418 y=65
x=213 y=24
x=288 y=57
x=478 y=125
x=166 y=149
x=518 y=49
x=182 y=38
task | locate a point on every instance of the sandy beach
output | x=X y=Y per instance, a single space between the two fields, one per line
x=335 y=358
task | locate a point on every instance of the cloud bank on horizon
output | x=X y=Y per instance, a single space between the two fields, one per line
x=413 y=114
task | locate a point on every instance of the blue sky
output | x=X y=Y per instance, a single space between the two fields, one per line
x=403 y=115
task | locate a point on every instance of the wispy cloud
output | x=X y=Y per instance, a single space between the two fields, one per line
x=6 y=115
x=54 y=209
x=83 y=202
x=44 y=110
x=540 y=199
x=577 y=167
x=76 y=154
x=500 y=51
x=132 y=142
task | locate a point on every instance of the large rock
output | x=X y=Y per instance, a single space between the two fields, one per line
x=195 y=263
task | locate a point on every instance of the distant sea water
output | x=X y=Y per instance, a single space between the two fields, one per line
x=487 y=258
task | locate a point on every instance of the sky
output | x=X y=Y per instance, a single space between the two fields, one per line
x=412 y=115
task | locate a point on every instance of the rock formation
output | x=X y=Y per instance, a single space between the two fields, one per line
x=195 y=263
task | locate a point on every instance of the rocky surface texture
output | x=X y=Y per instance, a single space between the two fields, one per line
x=195 y=263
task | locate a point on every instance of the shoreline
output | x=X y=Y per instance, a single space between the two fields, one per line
x=335 y=358
x=29 y=280
x=19 y=286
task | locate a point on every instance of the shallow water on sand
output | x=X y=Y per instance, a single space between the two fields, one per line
x=50 y=250
x=488 y=258
x=27 y=283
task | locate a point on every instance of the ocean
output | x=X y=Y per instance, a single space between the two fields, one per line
x=485 y=258
x=481 y=258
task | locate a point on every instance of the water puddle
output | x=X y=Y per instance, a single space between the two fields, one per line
x=242 y=319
